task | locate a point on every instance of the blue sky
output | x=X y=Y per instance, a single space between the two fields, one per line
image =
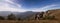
x=28 y=5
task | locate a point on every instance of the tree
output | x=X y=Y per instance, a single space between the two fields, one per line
x=2 y=18
x=11 y=17
x=19 y=19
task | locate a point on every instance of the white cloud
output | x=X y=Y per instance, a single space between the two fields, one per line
x=4 y=6
x=45 y=8
x=10 y=1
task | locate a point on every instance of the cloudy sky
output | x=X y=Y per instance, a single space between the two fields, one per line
x=28 y=5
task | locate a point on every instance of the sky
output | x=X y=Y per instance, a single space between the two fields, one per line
x=29 y=5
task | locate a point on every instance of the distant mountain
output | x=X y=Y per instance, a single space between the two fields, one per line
x=4 y=13
x=22 y=15
x=26 y=15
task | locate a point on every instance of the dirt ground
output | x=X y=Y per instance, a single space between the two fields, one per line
x=30 y=21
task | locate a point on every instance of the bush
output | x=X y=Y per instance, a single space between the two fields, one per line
x=49 y=17
x=19 y=19
x=2 y=18
x=11 y=17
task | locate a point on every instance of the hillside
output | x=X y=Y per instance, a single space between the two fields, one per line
x=55 y=12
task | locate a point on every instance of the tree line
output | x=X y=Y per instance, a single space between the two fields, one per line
x=9 y=17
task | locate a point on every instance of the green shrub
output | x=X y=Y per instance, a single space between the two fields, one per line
x=19 y=19
x=2 y=18
x=49 y=17
x=11 y=17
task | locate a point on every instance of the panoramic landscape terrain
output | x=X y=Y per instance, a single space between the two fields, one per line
x=50 y=16
x=29 y=11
